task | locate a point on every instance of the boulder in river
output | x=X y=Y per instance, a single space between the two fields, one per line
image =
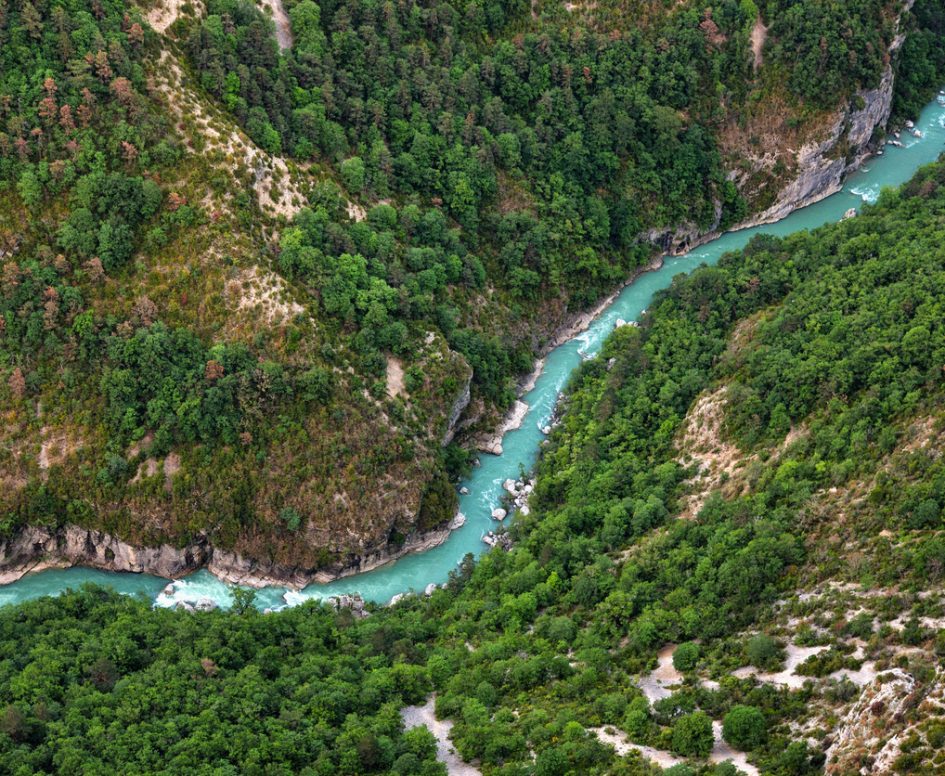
x=499 y=514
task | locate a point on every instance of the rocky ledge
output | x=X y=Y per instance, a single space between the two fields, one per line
x=822 y=165
x=36 y=548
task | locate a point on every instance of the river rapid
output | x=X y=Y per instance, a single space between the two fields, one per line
x=520 y=446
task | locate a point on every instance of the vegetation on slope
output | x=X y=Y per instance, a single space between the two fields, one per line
x=827 y=348
x=257 y=340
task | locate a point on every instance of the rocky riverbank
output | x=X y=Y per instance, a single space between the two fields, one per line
x=36 y=548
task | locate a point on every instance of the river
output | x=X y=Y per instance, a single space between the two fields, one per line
x=520 y=447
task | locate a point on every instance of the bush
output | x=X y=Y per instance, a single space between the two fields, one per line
x=353 y=174
x=692 y=735
x=686 y=656
x=763 y=651
x=745 y=728
x=291 y=519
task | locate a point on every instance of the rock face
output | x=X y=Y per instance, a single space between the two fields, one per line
x=822 y=165
x=71 y=545
x=492 y=443
x=862 y=744
x=456 y=411
x=36 y=547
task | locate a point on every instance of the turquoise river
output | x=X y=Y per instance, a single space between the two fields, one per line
x=520 y=447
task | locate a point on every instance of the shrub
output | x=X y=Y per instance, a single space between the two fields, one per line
x=763 y=651
x=692 y=735
x=745 y=728
x=291 y=518
x=686 y=656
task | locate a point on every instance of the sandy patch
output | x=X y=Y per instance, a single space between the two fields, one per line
x=264 y=294
x=171 y=467
x=281 y=19
x=415 y=716
x=395 y=377
x=147 y=468
x=701 y=441
x=355 y=212
x=55 y=447
x=165 y=13
x=655 y=685
x=759 y=34
x=277 y=192
x=618 y=740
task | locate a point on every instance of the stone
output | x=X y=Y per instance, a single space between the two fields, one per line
x=464 y=491
x=499 y=514
x=430 y=589
x=820 y=169
x=457 y=522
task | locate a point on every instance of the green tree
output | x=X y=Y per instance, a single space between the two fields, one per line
x=745 y=727
x=763 y=651
x=353 y=174
x=686 y=656
x=692 y=735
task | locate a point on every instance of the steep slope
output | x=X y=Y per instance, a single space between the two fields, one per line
x=263 y=280
x=791 y=625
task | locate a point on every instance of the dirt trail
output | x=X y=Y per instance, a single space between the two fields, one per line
x=281 y=20
x=759 y=34
x=623 y=746
x=655 y=685
x=788 y=676
x=722 y=752
x=415 y=716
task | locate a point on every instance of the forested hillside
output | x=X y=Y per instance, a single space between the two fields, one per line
x=749 y=485
x=253 y=284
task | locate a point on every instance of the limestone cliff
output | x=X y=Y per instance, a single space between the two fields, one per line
x=822 y=162
x=35 y=548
